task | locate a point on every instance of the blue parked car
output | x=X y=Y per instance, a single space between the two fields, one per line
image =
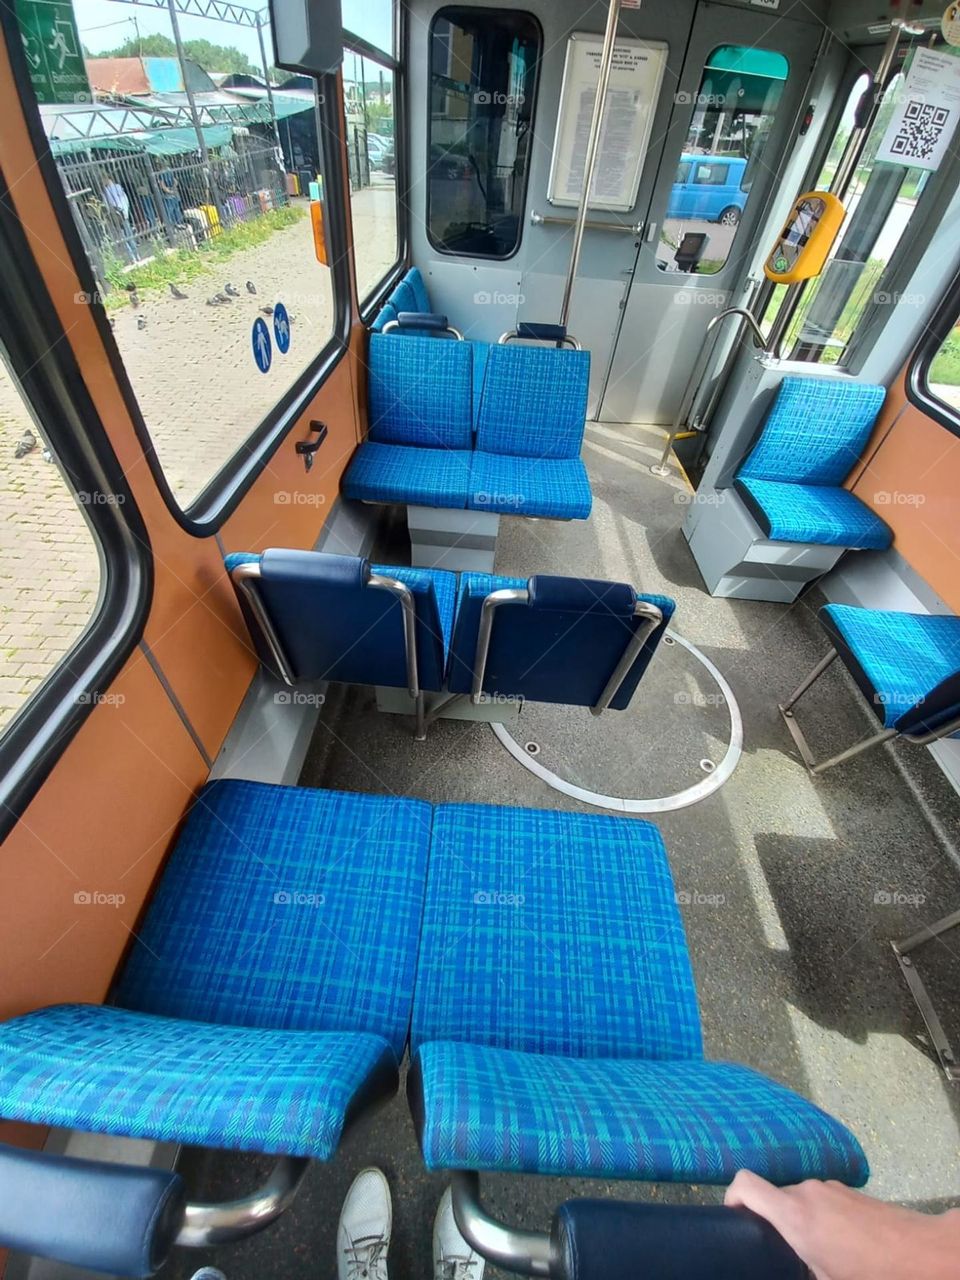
x=708 y=187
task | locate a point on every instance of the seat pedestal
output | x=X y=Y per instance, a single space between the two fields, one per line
x=737 y=562
x=461 y=541
x=441 y=706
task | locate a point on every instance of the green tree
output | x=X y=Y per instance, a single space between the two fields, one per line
x=211 y=57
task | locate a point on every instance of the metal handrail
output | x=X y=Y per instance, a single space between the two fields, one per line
x=594 y=224
x=696 y=378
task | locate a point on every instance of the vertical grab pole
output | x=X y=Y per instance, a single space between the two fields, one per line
x=593 y=143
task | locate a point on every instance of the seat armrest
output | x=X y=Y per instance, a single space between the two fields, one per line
x=121 y=1219
x=607 y=1240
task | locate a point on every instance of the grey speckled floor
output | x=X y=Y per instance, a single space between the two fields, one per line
x=790 y=942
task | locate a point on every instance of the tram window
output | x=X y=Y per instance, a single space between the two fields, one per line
x=880 y=202
x=199 y=227
x=740 y=90
x=369 y=109
x=483 y=71
x=934 y=380
x=372 y=21
x=50 y=575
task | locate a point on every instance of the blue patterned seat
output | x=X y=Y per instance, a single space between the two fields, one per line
x=813 y=437
x=555 y=1023
x=550 y=488
x=268 y=992
x=534 y=402
x=420 y=392
x=906 y=664
x=399 y=473
x=813 y=513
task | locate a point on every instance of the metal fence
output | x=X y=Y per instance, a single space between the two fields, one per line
x=129 y=206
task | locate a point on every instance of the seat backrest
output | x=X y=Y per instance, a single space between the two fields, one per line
x=417 y=283
x=404 y=297
x=386 y=313
x=534 y=402
x=562 y=641
x=332 y=622
x=815 y=432
x=421 y=392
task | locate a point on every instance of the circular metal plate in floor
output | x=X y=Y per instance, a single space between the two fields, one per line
x=680 y=717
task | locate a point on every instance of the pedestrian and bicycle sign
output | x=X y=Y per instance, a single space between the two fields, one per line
x=51 y=43
x=262 y=347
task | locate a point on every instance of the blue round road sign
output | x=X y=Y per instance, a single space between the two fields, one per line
x=281 y=328
x=262 y=347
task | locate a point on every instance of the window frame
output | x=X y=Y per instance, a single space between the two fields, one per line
x=538 y=25
x=945 y=320
x=226 y=489
x=51 y=381
x=371 y=302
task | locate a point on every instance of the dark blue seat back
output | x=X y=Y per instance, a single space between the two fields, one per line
x=815 y=432
x=534 y=402
x=562 y=646
x=333 y=625
x=420 y=392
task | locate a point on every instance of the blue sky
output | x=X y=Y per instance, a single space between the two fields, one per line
x=106 y=23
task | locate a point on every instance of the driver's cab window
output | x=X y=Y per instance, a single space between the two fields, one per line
x=733 y=109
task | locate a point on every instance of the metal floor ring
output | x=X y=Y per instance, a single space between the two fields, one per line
x=660 y=804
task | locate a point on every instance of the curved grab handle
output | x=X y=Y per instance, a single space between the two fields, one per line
x=610 y=1240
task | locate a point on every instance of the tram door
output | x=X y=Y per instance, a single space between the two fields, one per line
x=653 y=276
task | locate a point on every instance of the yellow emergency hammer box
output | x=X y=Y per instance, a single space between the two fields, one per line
x=804 y=243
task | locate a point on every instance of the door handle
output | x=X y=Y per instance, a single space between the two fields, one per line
x=307 y=448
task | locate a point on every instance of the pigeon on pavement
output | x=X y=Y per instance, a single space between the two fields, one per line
x=251 y=287
x=141 y=322
x=267 y=310
x=231 y=291
x=26 y=444
x=176 y=292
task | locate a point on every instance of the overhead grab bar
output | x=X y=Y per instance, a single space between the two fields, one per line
x=594 y=224
x=685 y=411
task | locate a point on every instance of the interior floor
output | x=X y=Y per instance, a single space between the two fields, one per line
x=791 y=888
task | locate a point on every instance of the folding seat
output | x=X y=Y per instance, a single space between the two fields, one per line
x=907 y=665
x=553 y=639
x=315 y=616
x=530 y=424
x=265 y=1002
x=556 y=1029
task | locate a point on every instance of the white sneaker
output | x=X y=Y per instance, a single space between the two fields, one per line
x=453 y=1259
x=363 y=1235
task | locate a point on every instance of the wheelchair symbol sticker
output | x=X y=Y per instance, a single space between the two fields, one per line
x=281 y=328
x=262 y=349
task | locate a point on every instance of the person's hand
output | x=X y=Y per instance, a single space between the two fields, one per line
x=845 y=1235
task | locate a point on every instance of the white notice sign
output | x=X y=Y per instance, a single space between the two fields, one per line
x=632 y=93
x=926 y=114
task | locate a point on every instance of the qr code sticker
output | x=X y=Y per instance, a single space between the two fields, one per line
x=920 y=131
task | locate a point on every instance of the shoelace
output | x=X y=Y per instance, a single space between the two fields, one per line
x=456 y=1267
x=364 y=1256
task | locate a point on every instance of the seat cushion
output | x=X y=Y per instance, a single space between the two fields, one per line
x=813 y=514
x=554 y=488
x=444 y=586
x=907 y=664
x=555 y=933
x=105 y=1070
x=287 y=907
x=816 y=431
x=400 y=473
x=495 y=1109
x=534 y=402
x=420 y=393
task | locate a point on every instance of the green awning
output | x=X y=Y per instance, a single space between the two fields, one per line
x=154 y=142
x=741 y=61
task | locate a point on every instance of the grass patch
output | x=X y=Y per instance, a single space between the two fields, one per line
x=187 y=264
x=945 y=366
